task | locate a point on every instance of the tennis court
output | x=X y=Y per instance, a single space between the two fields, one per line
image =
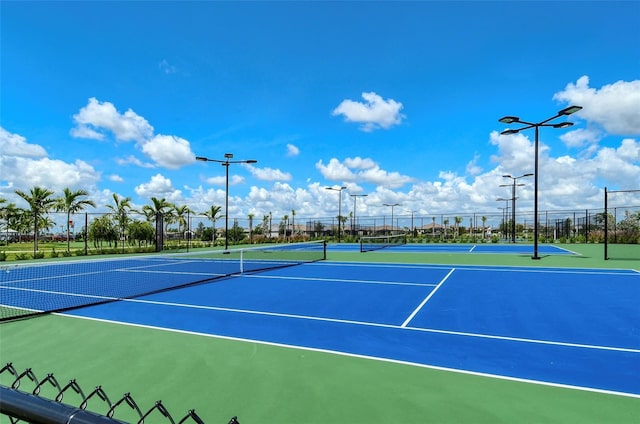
x=489 y=248
x=569 y=329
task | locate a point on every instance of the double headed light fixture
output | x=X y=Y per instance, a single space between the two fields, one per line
x=546 y=123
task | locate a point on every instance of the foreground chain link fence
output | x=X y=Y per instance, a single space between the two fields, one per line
x=32 y=406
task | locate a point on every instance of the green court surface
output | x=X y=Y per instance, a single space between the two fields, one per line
x=263 y=383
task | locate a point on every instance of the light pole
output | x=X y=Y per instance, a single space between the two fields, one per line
x=226 y=162
x=413 y=229
x=355 y=222
x=513 y=205
x=392 y=206
x=339 y=190
x=506 y=214
x=515 y=120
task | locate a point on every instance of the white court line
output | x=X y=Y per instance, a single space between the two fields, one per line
x=472 y=248
x=379 y=325
x=336 y=280
x=426 y=299
x=354 y=355
x=496 y=268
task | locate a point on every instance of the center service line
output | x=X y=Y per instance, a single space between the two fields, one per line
x=426 y=299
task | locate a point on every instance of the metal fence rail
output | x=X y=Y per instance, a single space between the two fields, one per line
x=20 y=405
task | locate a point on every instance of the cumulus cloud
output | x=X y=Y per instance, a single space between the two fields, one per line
x=472 y=166
x=269 y=174
x=159 y=186
x=515 y=151
x=25 y=173
x=359 y=170
x=581 y=137
x=373 y=113
x=221 y=180
x=97 y=119
x=292 y=150
x=132 y=160
x=619 y=166
x=24 y=165
x=169 y=151
x=16 y=145
x=616 y=107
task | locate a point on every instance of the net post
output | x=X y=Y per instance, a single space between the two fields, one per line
x=159 y=232
x=86 y=234
x=241 y=261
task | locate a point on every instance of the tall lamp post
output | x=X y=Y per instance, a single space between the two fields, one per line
x=339 y=190
x=505 y=214
x=516 y=120
x=355 y=222
x=513 y=205
x=392 y=206
x=413 y=229
x=226 y=162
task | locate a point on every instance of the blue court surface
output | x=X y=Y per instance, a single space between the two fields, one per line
x=492 y=248
x=570 y=327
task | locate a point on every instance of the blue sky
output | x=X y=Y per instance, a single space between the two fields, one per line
x=399 y=101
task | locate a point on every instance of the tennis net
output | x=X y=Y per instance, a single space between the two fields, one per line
x=33 y=289
x=367 y=244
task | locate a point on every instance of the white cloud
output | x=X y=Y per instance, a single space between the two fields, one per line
x=619 y=166
x=616 y=107
x=16 y=145
x=269 y=174
x=359 y=163
x=292 y=150
x=169 y=151
x=335 y=171
x=373 y=113
x=132 y=160
x=97 y=117
x=83 y=131
x=515 y=152
x=358 y=170
x=115 y=178
x=581 y=137
x=472 y=166
x=24 y=165
x=222 y=180
x=25 y=173
x=159 y=186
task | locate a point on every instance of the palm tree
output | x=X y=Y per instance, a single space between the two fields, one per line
x=293 y=221
x=181 y=212
x=343 y=220
x=121 y=207
x=285 y=220
x=40 y=202
x=158 y=207
x=251 y=228
x=213 y=215
x=71 y=202
x=484 y=225
x=265 y=225
x=457 y=220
